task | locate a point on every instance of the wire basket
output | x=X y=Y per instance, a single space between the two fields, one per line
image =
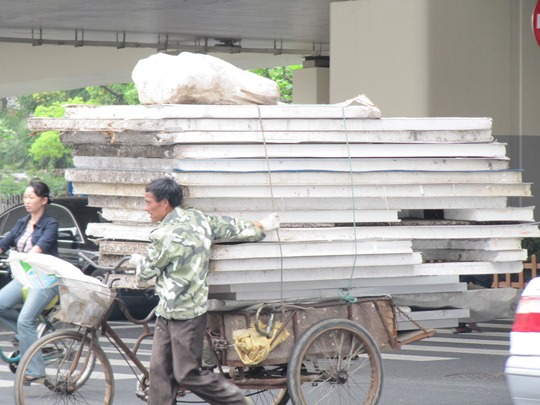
x=82 y=303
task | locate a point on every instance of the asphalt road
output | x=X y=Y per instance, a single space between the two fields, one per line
x=447 y=369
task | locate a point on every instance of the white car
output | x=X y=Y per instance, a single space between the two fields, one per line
x=523 y=366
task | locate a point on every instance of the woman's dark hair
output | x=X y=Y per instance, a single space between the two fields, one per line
x=165 y=188
x=41 y=189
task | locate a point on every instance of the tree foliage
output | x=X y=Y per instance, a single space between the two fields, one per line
x=283 y=77
x=39 y=155
x=9 y=185
x=48 y=152
x=13 y=148
x=43 y=155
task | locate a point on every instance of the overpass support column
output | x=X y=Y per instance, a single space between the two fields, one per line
x=311 y=84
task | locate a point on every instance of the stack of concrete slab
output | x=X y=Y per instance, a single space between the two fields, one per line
x=368 y=206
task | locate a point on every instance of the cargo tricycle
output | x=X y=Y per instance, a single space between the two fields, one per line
x=304 y=352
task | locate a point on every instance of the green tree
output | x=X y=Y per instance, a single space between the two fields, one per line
x=39 y=154
x=533 y=247
x=113 y=94
x=13 y=148
x=10 y=186
x=57 y=183
x=283 y=77
x=36 y=154
x=48 y=152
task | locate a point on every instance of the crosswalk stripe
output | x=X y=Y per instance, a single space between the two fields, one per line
x=449 y=349
x=117 y=376
x=121 y=362
x=411 y=357
x=484 y=333
x=129 y=341
x=140 y=353
x=462 y=340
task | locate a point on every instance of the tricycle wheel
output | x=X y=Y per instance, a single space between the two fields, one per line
x=268 y=397
x=263 y=393
x=335 y=361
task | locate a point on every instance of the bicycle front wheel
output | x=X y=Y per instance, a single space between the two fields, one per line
x=77 y=372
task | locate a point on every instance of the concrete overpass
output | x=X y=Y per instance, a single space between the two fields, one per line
x=61 y=44
x=412 y=58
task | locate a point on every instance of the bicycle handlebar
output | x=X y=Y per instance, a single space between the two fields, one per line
x=113 y=269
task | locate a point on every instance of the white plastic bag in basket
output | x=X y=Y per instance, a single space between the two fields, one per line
x=36 y=270
x=84 y=300
x=84 y=303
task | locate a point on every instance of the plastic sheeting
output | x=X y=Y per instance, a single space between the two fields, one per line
x=252 y=347
x=190 y=78
x=84 y=300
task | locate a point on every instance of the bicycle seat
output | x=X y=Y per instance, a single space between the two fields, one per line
x=51 y=304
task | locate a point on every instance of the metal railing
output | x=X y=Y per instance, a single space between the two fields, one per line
x=9 y=200
x=518 y=280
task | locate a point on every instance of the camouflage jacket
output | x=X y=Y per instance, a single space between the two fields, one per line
x=178 y=255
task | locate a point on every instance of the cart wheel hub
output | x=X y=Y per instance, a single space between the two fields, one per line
x=61 y=387
x=342 y=377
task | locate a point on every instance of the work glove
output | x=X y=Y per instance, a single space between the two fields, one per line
x=270 y=222
x=134 y=261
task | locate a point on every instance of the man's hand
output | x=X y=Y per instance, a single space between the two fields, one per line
x=134 y=261
x=269 y=222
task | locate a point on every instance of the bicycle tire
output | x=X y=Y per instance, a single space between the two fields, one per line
x=336 y=361
x=268 y=396
x=44 y=327
x=91 y=382
x=263 y=393
x=56 y=347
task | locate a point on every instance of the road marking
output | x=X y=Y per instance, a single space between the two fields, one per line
x=411 y=357
x=128 y=341
x=447 y=349
x=117 y=376
x=461 y=340
x=123 y=325
x=484 y=333
x=121 y=362
x=112 y=350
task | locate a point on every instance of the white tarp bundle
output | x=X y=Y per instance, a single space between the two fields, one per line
x=372 y=111
x=84 y=300
x=37 y=270
x=190 y=78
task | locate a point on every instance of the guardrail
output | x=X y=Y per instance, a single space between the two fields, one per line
x=519 y=280
x=9 y=200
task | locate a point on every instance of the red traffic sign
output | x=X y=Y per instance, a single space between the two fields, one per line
x=536 y=22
